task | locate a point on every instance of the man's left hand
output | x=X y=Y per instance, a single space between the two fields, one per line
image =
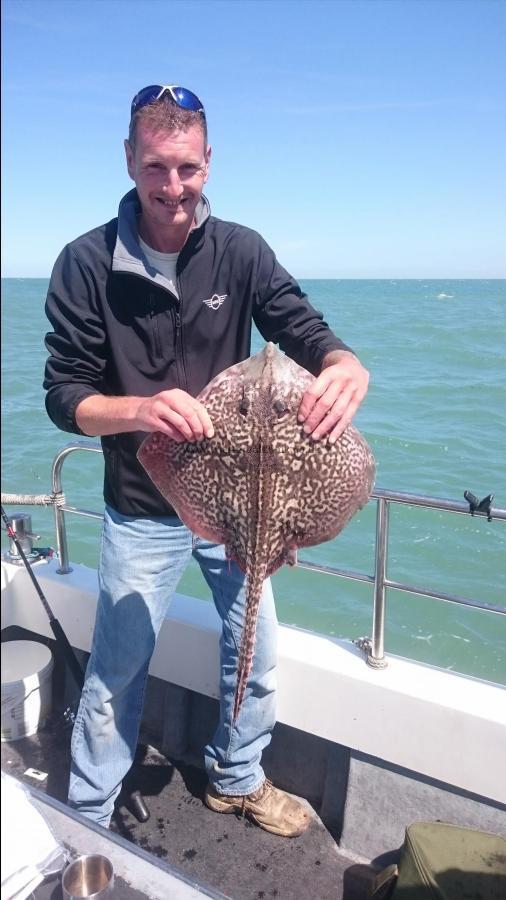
x=329 y=405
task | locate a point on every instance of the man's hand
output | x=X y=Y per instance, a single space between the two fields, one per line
x=176 y=414
x=329 y=405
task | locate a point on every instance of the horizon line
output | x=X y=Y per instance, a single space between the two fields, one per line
x=347 y=277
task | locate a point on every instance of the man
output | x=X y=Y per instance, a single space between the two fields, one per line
x=145 y=311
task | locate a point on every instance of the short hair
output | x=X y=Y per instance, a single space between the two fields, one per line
x=165 y=115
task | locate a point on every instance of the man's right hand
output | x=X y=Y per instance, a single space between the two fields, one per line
x=173 y=412
x=176 y=414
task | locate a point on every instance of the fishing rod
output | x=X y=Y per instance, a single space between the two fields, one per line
x=60 y=636
x=137 y=804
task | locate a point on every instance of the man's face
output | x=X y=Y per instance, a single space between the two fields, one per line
x=169 y=170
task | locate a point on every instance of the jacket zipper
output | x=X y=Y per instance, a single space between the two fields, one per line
x=154 y=326
x=180 y=360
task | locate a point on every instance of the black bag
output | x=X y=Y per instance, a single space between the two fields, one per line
x=445 y=862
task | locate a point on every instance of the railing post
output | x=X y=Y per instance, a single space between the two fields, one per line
x=376 y=655
x=59 y=515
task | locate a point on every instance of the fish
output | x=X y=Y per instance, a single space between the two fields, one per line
x=261 y=486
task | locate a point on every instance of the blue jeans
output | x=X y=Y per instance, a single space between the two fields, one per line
x=141 y=563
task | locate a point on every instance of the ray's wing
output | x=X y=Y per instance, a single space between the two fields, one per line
x=200 y=479
x=316 y=486
x=322 y=487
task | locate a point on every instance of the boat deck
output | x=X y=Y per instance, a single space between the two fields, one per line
x=227 y=854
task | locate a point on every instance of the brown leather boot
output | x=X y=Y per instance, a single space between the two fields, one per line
x=269 y=807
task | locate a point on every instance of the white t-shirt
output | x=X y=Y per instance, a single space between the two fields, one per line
x=165 y=263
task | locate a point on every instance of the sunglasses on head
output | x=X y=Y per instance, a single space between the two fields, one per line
x=180 y=95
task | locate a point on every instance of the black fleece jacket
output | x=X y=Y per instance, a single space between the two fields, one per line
x=119 y=330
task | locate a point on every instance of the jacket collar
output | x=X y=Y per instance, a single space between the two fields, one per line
x=128 y=256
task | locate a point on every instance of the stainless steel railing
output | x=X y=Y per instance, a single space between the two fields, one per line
x=61 y=509
x=374 y=646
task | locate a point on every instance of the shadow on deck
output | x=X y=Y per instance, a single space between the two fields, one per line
x=227 y=853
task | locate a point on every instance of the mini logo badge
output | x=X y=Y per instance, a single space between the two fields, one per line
x=215 y=301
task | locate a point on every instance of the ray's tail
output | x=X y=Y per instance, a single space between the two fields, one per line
x=243 y=671
x=246 y=651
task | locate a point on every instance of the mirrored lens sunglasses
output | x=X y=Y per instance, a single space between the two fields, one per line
x=180 y=95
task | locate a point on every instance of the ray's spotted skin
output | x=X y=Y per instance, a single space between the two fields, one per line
x=260 y=486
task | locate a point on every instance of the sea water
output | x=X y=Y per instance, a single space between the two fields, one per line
x=435 y=418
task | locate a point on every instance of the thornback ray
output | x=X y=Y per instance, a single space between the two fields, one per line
x=261 y=486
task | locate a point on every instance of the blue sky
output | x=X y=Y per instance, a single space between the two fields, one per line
x=362 y=139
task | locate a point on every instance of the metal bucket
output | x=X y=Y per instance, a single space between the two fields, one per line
x=90 y=876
